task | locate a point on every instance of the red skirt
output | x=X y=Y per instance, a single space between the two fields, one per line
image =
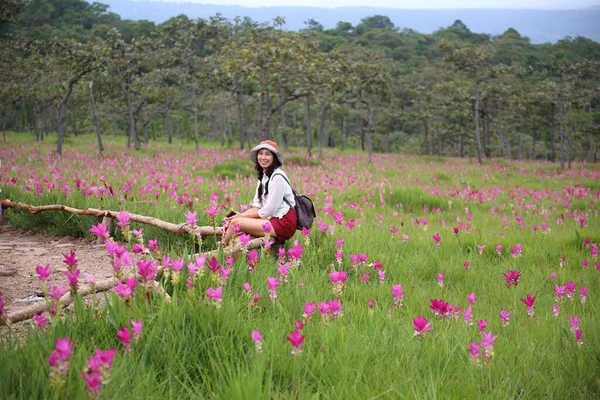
x=284 y=227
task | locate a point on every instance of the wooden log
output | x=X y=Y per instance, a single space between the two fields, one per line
x=176 y=228
x=67 y=299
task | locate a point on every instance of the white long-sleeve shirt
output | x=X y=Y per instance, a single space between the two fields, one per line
x=273 y=204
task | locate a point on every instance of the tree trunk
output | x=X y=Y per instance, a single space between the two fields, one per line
x=44 y=123
x=262 y=105
x=74 y=116
x=487 y=134
x=35 y=123
x=132 y=132
x=570 y=142
x=343 y=133
x=283 y=129
x=196 y=133
x=370 y=130
x=240 y=112
x=477 y=134
x=97 y=122
x=426 y=133
x=534 y=137
x=308 y=128
x=520 y=148
x=230 y=120
x=63 y=114
x=323 y=128
x=591 y=144
x=562 y=133
x=552 y=125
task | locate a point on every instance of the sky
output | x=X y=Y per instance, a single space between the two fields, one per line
x=409 y=4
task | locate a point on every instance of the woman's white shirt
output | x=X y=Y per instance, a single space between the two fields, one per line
x=273 y=204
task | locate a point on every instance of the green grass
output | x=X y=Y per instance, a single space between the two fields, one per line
x=191 y=349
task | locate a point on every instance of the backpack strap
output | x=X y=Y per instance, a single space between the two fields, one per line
x=288 y=182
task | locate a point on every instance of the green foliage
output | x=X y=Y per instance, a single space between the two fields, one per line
x=232 y=170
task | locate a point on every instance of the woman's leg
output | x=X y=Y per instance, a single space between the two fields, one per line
x=250 y=226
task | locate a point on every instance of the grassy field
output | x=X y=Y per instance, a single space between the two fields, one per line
x=414 y=218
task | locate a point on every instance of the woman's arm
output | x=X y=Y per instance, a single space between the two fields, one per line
x=275 y=198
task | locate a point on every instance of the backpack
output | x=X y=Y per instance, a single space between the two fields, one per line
x=305 y=210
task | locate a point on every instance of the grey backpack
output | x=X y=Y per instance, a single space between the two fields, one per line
x=305 y=209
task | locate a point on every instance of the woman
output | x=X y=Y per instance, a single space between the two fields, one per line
x=273 y=201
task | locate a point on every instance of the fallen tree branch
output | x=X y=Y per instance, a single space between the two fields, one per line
x=237 y=249
x=67 y=299
x=176 y=228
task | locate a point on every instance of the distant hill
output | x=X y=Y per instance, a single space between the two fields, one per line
x=540 y=26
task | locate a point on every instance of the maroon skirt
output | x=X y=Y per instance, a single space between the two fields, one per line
x=284 y=227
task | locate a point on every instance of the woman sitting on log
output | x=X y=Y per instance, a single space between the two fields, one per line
x=273 y=201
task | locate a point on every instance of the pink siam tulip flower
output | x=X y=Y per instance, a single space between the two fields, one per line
x=338 y=277
x=586 y=263
x=480 y=249
x=559 y=292
x=215 y=296
x=583 y=294
x=563 y=261
x=123 y=219
x=296 y=339
x=440 y=308
x=471 y=298
x=224 y=274
x=530 y=304
x=468 y=316
x=153 y=245
x=574 y=323
x=512 y=278
x=191 y=218
x=281 y=254
x=398 y=295
x=41 y=320
x=381 y=274
x=247 y=288
x=338 y=256
x=299 y=325
x=362 y=258
x=422 y=325
x=467 y=265
x=70 y=259
x=556 y=310
x=244 y=239
x=283 y=270
x=376 y=265
x=364 y=278
x=137 y=328
x=305 y=232
x=505 y=316
x=138 y=233
x=579 y=336
x=394 y=231
x=147 y=270
x=59 y=360
x=273 y=284
x=474 y=352
x=125 y=338
x=437 y=239
x=43 y=272
x=570 y=289
x=97 y=373
x=517 y=251
x=309 y=310
x=371 y=304
x=499 y=249
x=257 y=338
x=553 y=276
x=482 y=323
x=440 y=279
x=100 y=231
x=138 y=248
x=336 y=308
x=488 y=349
x=405 y=237
x=267 y=227
x=56 y=292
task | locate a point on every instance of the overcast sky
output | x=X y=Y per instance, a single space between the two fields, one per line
x=412 y=4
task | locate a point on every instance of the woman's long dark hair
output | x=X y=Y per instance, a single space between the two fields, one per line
x=276 y=164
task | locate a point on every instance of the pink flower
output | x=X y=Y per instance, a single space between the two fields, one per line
x=482 y=324
x=499 y=249
x=123 y=291
x=381 y=274
x=56 y=292
x=553 y=275
x=247 y=288
x=440 y=308
x=244 y=239
x=437 y=239
x=338 y=277
x=267 y=227
x=123 y=218
x=467 y=265
x=471 y=298
x=137 y=328
x=422 y=325
x=72 y=277
x=529 y=303
x=138 y=233
x=397 y=294
x=215 y=295
x=100 y=231
x=480 y=249
x=146 y=270
x=512 y=277
x=371 y=303
x=405 y=237
x=257 y=338
x=70 y=259
x=41 y=320
x=574 y=322
x=309 y=309
x=125 y=337
x=579 y=336
x=364 y=278
x=190 y=218
x=43 y=272
x=556 y=310
x=296 y=340
x=468 y=316
x=474 y=351
x=138 y=248
x=93 y=382
x=505 y=317
x=59 y=359
x=517 y=251
x=273 y=284
x=153 y=244
x=583 y=294
x=440 y=279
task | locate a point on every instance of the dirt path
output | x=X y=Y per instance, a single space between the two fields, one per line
x=21 y=252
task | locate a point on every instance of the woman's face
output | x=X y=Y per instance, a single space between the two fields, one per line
x=264 y=158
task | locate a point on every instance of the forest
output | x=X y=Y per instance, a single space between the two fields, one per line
x=68 y=67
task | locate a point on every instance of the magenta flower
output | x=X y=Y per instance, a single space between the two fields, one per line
x=371 y=303
x=471 y=298
x=100 y=231
x=146 y=270
x=480 y=249
x=467 y=265
x=440 y=279
x=398 y=295
x=553 y=275
x=72 y=277
x=405 y=237
x=422 y=325
x=244 y=239
x=41 y=320
x=499 y=249
x=529 y=303
x=512 y=278
x=70 y=259
x=381 y=274
x=283 y=270
x=56 y=292
x=247 y=288
x=267 y=227
x=364 y=278
x=570 y=288
x=125 y=337
x=257 y=338
x=574 y=323
x=482 y=323
x=137 y=328
x=474 y=352
x=43 y=272
x=517 y=251
x=138 y=248
x=579 y=336
x=123 y=219
x=440 y=308
x=488 y=349
x=468 y=316
x=59 y=360
x=153 y=244
x=123 y=291
x=437 y=239
x=338 y=277
x=273 y=284
x=505 y=317
x=215 y=295
x=296 y=339
x=190 y=218
x=212 y=212
x=309 y=310
x=556 y=310
x=93 y=382
x=583 y=294
x=138 y=233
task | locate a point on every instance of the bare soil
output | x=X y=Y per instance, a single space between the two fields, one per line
x=21 y=252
